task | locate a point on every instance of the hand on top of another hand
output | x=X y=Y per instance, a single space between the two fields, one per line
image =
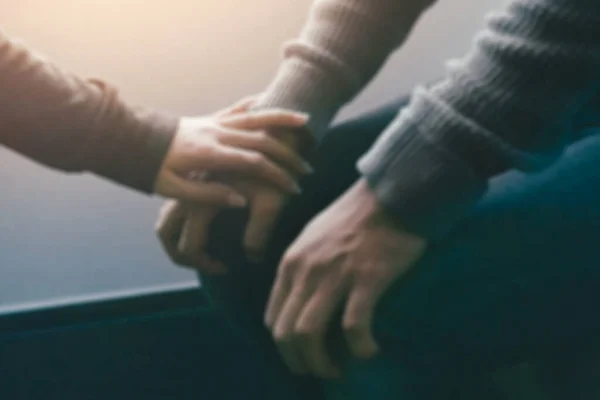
x=232 y=141
x=183 y=226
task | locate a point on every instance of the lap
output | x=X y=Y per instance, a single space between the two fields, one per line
x=335 y=172
x=242 y=294
x=517 y=276
x=521 y=272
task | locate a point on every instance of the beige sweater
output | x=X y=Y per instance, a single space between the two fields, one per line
x=63 y=121
x=512 y=102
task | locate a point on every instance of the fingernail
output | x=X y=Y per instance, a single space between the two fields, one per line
x=296 y=188
x=303 y=117
x=236 y=200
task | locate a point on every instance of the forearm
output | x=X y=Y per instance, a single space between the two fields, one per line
x=72 y=124
x=340 y=49
x=512 y=102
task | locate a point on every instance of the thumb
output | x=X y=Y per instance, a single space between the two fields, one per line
x=172 y=185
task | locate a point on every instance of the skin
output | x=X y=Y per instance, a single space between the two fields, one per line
x=345 y=258
x=266 y=201
x=234 y=143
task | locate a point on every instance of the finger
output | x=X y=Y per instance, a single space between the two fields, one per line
x=210 y=266
x=312 y=325
x=284 y=330
x=194 y=232
x=269 y=146
x=193 y=240
x=265 y=119
x=291 y=357
x=238 y=107
x=251 y=164
x=168 y=229
x=204 y=193
x=264 y=214
x=279 y=293
x=277 y=300
x=358 y=320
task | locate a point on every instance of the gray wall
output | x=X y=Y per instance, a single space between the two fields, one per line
x=70 y=236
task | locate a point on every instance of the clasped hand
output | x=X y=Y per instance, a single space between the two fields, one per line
x=255 y=170
x=344 y=260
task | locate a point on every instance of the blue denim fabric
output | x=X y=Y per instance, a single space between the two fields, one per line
x=518 y=277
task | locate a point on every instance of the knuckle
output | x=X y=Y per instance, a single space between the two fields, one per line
x=350 y=323
x=282 y=337
x=352 y=326
x=186 y=250
x=257 y=160
x=268 y=205
x=304 y=331
x=251 y=159
x=286 y=271
x=159 y=229
x=262 y=136
x=289 y=262
x=265 y=140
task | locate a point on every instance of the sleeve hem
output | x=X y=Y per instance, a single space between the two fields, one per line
x=424 y=186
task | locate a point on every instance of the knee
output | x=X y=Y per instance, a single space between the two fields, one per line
x=225 y=237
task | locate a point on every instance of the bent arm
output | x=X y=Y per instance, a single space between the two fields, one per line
x=68 y=123
x=342 y=46
x=515 y=101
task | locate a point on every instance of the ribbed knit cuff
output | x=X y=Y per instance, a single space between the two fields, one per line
x=299 y=86
x=426 y=187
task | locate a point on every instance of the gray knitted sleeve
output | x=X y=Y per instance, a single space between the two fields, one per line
x=511 y=102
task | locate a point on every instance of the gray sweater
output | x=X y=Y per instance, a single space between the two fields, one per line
x=514 y=101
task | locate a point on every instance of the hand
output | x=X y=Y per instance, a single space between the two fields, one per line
x=345 y=258
x=183 y=228
x=266 y=204
x=175 y=240
x=234 y=143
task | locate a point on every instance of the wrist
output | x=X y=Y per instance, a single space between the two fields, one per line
x=375 y=213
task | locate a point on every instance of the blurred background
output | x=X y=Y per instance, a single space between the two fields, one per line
x=64 y=238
